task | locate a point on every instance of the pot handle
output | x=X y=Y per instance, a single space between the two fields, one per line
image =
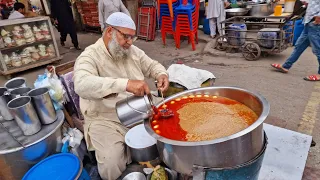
x=7 y=93
x=141 y=112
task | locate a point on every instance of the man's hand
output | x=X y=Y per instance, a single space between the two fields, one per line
x=317 y=20
x=226 y=4
x=138 y=87
x=163 y=82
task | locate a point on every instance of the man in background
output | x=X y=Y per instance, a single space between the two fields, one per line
x=5 y=11
x=18 y=13
x=216 y=13
x=107 y=7
x=61 y=12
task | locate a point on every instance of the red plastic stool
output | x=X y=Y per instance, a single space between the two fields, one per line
x=166 y=28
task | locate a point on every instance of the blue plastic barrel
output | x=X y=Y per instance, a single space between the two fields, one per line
x=246 y=171
x=63 y=166
x=236 y=34
x=206 y=27
x=298 y=28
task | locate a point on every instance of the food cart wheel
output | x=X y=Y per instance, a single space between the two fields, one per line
x=251 y=51
x=219 y=44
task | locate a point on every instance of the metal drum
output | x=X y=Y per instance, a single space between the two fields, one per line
x=4 y=99
x=25 y=115
x=228 y=151
x=249 y=170
x=19 y=92
x=43 y=104
x=15 y=83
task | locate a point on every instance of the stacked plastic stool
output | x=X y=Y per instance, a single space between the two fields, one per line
x=186 y=21
x=166 y=16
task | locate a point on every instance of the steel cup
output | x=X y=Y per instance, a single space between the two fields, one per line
x=5 y=113
x=15 y=83
x=43 y=104
x=25 y=115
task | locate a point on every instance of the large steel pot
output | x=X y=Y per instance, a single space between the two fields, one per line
x=223 y=152
x=257 y=9
x=236 y=12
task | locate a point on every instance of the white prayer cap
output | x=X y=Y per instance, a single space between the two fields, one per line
x=120 y=19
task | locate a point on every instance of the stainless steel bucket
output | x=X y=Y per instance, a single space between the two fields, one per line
x=134 y=109
x=15 y=83
x=5 y=114
x=43 y=104
x=142 y=146
x=25 y=115
x=228 y=151
x=23 y=91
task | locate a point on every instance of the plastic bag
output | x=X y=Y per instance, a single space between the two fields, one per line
x=50 y=80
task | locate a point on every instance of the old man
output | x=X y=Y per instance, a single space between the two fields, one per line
x=106 y=72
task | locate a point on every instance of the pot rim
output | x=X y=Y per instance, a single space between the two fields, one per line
x=16 y=99
x=45 y=89
x=14 y=79
x=258 y=122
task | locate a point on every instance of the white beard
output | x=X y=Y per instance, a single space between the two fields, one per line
x=117 y=52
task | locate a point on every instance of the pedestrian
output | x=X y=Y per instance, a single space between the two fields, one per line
x=5 y=11
x=62 y=14
x=310 y=35
x=216 y=14
x=107 y=7
x=19 y=10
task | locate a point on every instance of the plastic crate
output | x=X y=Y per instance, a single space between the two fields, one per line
x=147 y=23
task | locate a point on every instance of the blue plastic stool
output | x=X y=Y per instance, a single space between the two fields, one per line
x=185 y=9
x=63 y=166
x=167 y=14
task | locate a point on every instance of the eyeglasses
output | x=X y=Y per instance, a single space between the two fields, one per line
x=127 y=36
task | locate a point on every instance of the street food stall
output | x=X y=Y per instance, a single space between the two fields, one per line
x=26 y=43
x=197 y=140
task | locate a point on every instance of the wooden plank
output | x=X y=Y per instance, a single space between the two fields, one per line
x=65 y=67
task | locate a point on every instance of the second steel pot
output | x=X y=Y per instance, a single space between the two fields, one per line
x=258 y=9
x=219 y=153
x=142 y=146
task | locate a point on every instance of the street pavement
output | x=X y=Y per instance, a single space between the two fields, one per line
x=295 y=103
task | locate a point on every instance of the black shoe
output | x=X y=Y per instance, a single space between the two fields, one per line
x=62 y=44
x=77 y=48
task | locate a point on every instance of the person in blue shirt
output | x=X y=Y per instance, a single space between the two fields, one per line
x=309 y=36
